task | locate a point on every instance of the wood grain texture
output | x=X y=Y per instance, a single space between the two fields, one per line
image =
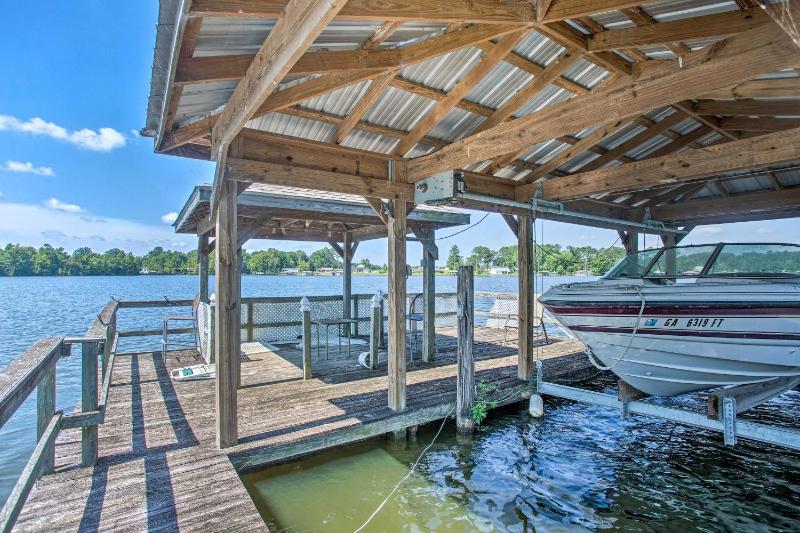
x=465 y=358
x=746 y=55
x=397 y=306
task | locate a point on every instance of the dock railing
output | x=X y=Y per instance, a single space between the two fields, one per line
x=35 y=370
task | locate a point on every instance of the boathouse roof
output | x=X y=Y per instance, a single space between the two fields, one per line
x=625 y=110
x=290 y=213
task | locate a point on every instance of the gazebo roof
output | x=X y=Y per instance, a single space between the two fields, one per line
x=291 y=213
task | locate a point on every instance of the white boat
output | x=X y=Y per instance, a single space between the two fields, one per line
x=688 y=318
x=194 y=373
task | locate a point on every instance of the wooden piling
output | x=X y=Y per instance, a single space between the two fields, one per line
x=397 y=305
x=465 y=382
x=89 y=353
x=526 y=309
x=375 y=330
x=45 y=409
x=202 y=266
x=429 y=256
x=347 y=278
x=305 y=308
x=227 y=337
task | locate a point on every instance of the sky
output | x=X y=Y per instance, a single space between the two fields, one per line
x=74 y=171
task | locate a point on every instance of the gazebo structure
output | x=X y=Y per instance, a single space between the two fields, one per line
x=342 y=220
x=648 y=118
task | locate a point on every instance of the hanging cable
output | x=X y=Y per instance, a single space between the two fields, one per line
x=411 y=471
x=463 y=230
x=599 y=366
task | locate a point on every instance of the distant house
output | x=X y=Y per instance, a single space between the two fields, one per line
x=290 y=271
x=144 y=270
x=499 y=271
x=361 y=268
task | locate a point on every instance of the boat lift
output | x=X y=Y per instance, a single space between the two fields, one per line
x=724 y=406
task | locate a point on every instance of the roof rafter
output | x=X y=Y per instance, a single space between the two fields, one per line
x=757 y=51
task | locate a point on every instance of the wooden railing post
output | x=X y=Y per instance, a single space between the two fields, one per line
x=89 y=401
x=250 y=322
x=355 y=313
x=305 y=308
x=375 y=330
x=45 y=409
x=382 y=331
x=465 y=386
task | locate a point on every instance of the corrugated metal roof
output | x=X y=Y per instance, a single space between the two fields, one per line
x=398 y=109
x=443 y=72
x=500 y=85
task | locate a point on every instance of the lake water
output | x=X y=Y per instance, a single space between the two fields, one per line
x=580 y=468
x=32 y=308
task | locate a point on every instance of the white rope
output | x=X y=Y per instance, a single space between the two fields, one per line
x=411 y=471
x=630 y=339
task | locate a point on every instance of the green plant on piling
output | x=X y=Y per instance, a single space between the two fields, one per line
x=483 y=403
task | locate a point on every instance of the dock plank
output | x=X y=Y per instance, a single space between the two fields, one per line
x=159 y=468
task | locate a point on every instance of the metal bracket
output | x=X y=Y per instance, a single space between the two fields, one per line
x=729 y=420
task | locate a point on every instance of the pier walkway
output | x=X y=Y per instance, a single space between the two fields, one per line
x=159 y=467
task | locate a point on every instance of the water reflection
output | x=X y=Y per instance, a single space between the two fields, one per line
x=580 y=468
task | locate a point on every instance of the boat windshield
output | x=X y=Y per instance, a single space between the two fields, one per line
x=632 y=265
x=756 y=260
x=711 y=260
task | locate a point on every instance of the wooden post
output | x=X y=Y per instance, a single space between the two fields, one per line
x=228 y=327
x=397 y=305
x=525 y=297
x=383 y=330
x=237 y=361
x=45 y=409
x=375 y=330
x=630 y=240
x=347 y=277
x=202 y=266
x=429 y=299
x=465 y=386
x=89 y=352
x=671 y=263
x=305 y=308
x=355 y=314
x=250 y=322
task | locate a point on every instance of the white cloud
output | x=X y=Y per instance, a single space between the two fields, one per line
x=27 y=167
x=55 y=203
x=104 y=140
x=170 y=217
x=708 y=231
x=2 y=196
x=37 y=224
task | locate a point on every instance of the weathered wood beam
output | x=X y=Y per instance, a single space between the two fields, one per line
x=773 y=148
x=377 y=205
x=531 y=89
x=564 y=156
x=526 y=311
x=746 y=55
x=512 y=223
x=302 y=22
x=470 y=80
x=309 y=178
x=209 y=69
x=758 y=124
x=637 y=140
x=364 y=104
x=712 y=122
x=566 y=35
x=769 y=88
x=752 y=204
x=474 y=11
x=641 y=18
x=397 y=306
x=715 y=25
x=748 y=107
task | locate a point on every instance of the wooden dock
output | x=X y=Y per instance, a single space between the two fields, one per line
x=159 y=467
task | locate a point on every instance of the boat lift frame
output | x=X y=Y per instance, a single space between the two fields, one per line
x=727 y=421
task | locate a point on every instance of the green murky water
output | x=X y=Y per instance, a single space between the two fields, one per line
x=580 y=468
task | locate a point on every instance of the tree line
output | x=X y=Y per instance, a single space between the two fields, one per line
x=17 y=260
x=550 y=258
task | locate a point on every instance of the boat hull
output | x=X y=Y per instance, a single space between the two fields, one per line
x=688 y=338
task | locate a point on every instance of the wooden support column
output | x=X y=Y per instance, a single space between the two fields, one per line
x=375 y=331
x=525 y=298
x=347 y=278
x=305 y=308
x=670 y=255
x=45 y=409
x=202 y=266
x=227 y=327
x=465 y=385
x=397 y=305
x=630 y=240
x=429 y=256
x=89 y=401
